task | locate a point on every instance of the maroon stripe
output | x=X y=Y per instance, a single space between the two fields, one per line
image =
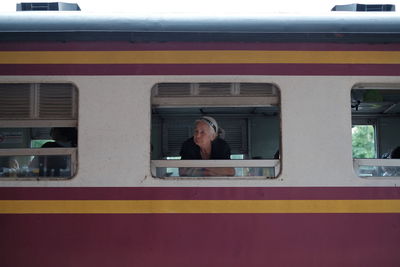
x=197 y=193
x=200 y=69
x=234 y=240
x=126 y=46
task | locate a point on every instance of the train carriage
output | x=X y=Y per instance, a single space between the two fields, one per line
x=291 y=92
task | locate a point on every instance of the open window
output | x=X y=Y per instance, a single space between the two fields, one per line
x=38 y=133
x=376 y=129
x=248 y=113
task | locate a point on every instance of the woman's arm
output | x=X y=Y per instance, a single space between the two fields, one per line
x=228 y=171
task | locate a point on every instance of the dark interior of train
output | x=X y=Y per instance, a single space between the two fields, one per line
x=251 y=132
x=34 y=165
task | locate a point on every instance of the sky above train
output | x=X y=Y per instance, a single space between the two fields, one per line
x=206 y=6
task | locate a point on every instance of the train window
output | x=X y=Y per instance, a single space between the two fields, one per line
x=243 y=120
x=376 y=129
x=38 y=133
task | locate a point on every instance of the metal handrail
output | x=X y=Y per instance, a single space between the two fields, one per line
x=376 y=162
x=234 y=163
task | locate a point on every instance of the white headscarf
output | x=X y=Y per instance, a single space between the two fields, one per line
x=211 y=122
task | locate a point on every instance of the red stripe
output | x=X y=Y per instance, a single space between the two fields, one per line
x=198 y=193
x=127 y=46
x=201 y=69
x=234 y=240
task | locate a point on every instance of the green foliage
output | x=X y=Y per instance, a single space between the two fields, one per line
x=363 y=141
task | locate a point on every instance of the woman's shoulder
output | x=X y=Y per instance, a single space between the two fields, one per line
x=188 y=145
x=51 y=144
x=220 y=142
x=220 y=149
x=188 y=141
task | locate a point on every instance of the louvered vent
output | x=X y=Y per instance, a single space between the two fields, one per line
x=15 y=101
x=256 y=89
x=215 y=89
x=56 y=101
x=173 y=89
x=214 y=94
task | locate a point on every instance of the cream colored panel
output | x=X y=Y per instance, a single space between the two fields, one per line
x=114 y=130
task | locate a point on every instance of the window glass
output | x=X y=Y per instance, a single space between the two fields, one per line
x=243 y=119
x=38 y=133
x=375 y=131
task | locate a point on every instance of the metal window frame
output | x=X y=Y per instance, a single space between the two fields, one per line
x=376 y=163
x=234 y=100
x=35 y=122
x=234 y=163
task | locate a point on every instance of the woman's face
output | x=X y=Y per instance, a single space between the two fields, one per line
x=203 y=134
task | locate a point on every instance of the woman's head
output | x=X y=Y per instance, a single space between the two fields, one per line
x=205 y=131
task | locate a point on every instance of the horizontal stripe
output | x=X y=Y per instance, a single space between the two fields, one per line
x=132 y=46
x=200 y=57
x=198 y=193
x=201 y=69
x=198 y=240
x=196 y=206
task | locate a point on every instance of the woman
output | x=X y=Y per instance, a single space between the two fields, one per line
x=206 y=144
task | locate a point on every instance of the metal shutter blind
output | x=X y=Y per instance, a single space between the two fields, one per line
x=175 y=132
x=235 y=134
x=257 y=89
x=38 y=101
x=15 y=101
x=56 y=101
x=214 y=89
x=173 y=89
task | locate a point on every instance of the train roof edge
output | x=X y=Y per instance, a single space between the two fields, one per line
x=281 y=27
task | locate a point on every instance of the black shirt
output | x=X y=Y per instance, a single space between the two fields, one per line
x=219 y=149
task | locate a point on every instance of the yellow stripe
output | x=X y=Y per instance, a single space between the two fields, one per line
x=198 y=206
x=199 y=57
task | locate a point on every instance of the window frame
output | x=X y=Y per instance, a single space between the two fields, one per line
x=233 y=101
x=374 y=121
x=35 y=121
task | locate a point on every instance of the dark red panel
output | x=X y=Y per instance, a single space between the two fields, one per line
x=200 y=69
x=366 y=240
x=126 y=46
x=198 y=193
